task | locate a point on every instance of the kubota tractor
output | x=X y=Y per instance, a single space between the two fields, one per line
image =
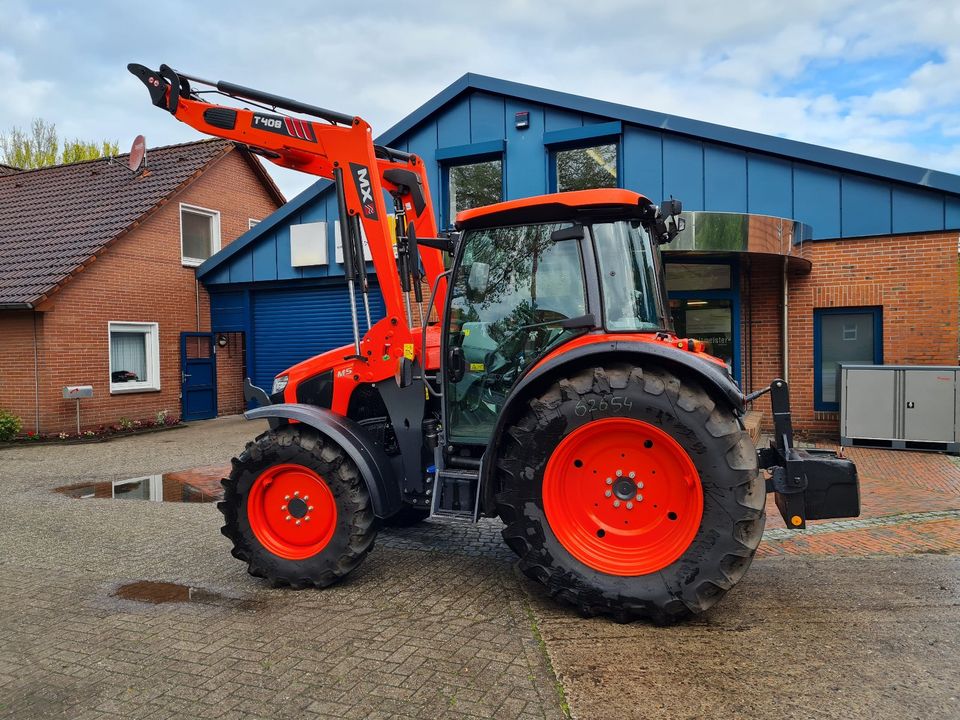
x=552 y=391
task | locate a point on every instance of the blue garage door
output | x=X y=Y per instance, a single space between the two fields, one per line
x=292 y=325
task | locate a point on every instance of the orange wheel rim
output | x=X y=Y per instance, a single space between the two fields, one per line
x=292 y=511
x=622 y=496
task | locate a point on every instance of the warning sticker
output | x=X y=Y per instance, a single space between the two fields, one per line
x=408 y=351
x=476 y=367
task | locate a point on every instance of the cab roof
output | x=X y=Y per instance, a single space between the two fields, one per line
x=575 y=205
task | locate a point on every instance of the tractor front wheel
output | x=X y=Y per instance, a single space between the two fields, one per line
x=297 y=509
x=631 y=492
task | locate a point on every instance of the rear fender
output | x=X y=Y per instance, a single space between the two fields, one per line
x=715 y=380
x=375 y=467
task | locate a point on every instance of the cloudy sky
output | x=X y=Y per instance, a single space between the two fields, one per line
x=879 y=77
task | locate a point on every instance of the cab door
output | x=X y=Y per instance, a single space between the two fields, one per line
x=510 y=286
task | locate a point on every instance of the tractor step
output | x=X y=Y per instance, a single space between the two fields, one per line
x=455 y=494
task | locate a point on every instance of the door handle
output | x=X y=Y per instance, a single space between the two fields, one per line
x=456 y=364
x=183 y=377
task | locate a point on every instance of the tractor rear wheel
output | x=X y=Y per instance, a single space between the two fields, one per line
x=630 y=492
x=297 y=510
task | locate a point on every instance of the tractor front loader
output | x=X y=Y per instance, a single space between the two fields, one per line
x=551 y=393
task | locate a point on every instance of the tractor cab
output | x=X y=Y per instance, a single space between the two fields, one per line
x=531 y=275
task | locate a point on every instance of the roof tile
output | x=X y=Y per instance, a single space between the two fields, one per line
x=55 y=218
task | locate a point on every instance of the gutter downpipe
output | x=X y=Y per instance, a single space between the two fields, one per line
x=36 y=375
x=786 y=319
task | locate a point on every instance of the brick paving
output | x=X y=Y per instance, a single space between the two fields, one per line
x=434 y=624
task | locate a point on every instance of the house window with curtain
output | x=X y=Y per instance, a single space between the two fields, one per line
x=199 y=234
x=134 y=357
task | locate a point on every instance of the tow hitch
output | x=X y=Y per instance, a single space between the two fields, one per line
x=808 y=484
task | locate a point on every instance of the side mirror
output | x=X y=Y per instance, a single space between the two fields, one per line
x=671 y=207
x=479 y=278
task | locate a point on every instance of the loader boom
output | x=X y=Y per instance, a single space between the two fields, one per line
x=340 y=149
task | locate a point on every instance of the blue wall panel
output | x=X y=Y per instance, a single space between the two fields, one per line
x=486 y=117
x=228 y=312
x=557 y=119
x=816 y=200
x=683 y=171
x=265 y=258
x=951 y=213
x=724 y=179
x=525 y=173
x=643 y=162
x=865 y=206
x=423 y=142
x=453 y=124
x=241 y=268
x=915 y=210
x=769 y=186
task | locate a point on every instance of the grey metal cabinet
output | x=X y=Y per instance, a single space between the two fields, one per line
x=900 y=406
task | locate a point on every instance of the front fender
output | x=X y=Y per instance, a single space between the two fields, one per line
x=374 y=465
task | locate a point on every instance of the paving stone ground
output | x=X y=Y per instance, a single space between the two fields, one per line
x=852 y=619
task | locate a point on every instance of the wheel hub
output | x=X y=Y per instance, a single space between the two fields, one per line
x=291 y=511
x=622 y=496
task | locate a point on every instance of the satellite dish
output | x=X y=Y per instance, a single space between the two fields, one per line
x=138 y=154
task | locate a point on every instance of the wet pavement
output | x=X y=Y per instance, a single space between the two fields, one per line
x=200 y=484
x=137 y=610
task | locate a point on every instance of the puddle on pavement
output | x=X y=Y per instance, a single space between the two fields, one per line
x=151 y=591
x=198 y=485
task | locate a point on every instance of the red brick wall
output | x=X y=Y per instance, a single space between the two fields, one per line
x=17 y=389
x=139 y=279
x=913 y=278
x=230 y=372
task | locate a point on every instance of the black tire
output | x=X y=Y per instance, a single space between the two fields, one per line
x=724 y=457
x=354 y=532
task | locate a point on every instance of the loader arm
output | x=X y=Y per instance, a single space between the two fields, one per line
x=341 y=143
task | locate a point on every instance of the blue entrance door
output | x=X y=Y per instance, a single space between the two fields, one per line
x=198 y=376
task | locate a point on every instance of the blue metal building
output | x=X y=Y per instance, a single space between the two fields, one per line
x=289 y=309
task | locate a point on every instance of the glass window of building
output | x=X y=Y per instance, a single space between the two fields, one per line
x=586 y=167
x=848 y=335
x=473 y=185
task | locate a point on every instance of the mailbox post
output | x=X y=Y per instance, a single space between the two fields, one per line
x=76 y=392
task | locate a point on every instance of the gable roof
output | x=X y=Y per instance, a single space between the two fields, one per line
x=55 y=220
x=698 y=129
x=8 y=169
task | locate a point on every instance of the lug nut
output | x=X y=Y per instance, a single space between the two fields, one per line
x=287 y=518
x=306 y=497
x=619 y=473
x=608 y=493
x=640 y=485
x=286 y=497
x=306 y=517
x=609 y=481
x=632 y=474
x=296 y=493
x=616 y=503
x=283 y=508
x=629 y=506
x=639 y=497
x=298 y=522
x=310 y=507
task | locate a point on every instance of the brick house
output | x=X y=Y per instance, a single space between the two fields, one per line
x=98 y=282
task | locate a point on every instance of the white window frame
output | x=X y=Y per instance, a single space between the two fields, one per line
x=214 y=216
x=151 y=331
x=252 y=223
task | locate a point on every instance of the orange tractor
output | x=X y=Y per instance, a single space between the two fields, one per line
x=552 y=391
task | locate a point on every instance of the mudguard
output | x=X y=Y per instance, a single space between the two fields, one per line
x=374 y=465
x=714 y=379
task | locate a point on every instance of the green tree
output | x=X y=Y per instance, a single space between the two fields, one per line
x=39 y=146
